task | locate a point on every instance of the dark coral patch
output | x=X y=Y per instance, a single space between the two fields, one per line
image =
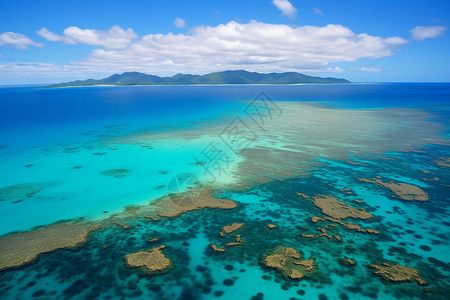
x=117 y=173
x=425 y=248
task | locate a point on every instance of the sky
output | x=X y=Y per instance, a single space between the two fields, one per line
x=363 y=41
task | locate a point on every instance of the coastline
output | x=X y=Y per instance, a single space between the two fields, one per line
x=218 y=84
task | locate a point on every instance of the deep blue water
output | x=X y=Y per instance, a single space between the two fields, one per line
x=23 y=106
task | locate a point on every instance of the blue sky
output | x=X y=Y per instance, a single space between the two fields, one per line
x=375 y=41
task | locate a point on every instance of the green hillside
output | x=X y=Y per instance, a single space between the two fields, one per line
x=226 y=77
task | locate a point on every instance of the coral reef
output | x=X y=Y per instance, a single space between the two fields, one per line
x=402 y=190
x=230 y=228
x=309 y=236
x=289 y=263
x=238 y=242
x=302 y=195
x=397 y=273
x=19 y=249
x=216 y=248
x=151 y=262
x=336 y=209
x=166 y=207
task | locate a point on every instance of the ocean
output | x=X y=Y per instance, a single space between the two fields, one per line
x=376 y=156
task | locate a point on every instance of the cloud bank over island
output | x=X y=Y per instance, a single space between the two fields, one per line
x=253 y=46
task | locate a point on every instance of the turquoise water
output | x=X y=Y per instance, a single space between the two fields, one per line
x=60 y=142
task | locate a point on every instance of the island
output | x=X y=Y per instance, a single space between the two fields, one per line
x=217 y=78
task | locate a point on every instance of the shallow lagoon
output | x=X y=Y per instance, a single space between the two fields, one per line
x=319 y=140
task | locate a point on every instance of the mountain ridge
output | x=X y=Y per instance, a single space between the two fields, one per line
x=215 y=78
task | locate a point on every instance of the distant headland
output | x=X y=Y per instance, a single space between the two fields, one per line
x=217 y=78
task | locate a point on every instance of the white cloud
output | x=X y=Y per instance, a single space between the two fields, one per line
x=253 y=46
x=114 y=38
x=371 y=69
x=1 y=55
x=317 y=11
x=285 y=7
x=49 y=36
x=335 y=69
x=17 y=40
x=421 y=33
x=179 y=22
x=365 y=69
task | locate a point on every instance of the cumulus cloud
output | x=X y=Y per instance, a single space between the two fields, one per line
x=179 y=22
x=421 y=33
x=49 y=36
x=286 y=8
x=253 y=46
x=17 y=40
x=317 y=11
x=114 y=38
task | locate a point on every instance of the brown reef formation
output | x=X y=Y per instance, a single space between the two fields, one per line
x=339 y=210
x=289 y=263
x=349 y=225
x=302 y=195
x=324 y=233
x=167 y=207
x=443 y=162
x=19 y=249
x=216 y=248
x=308 y=236
x=402 y=190
x=230 y=228
x=397 y=273
x=347 y=262
x=151 y=262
